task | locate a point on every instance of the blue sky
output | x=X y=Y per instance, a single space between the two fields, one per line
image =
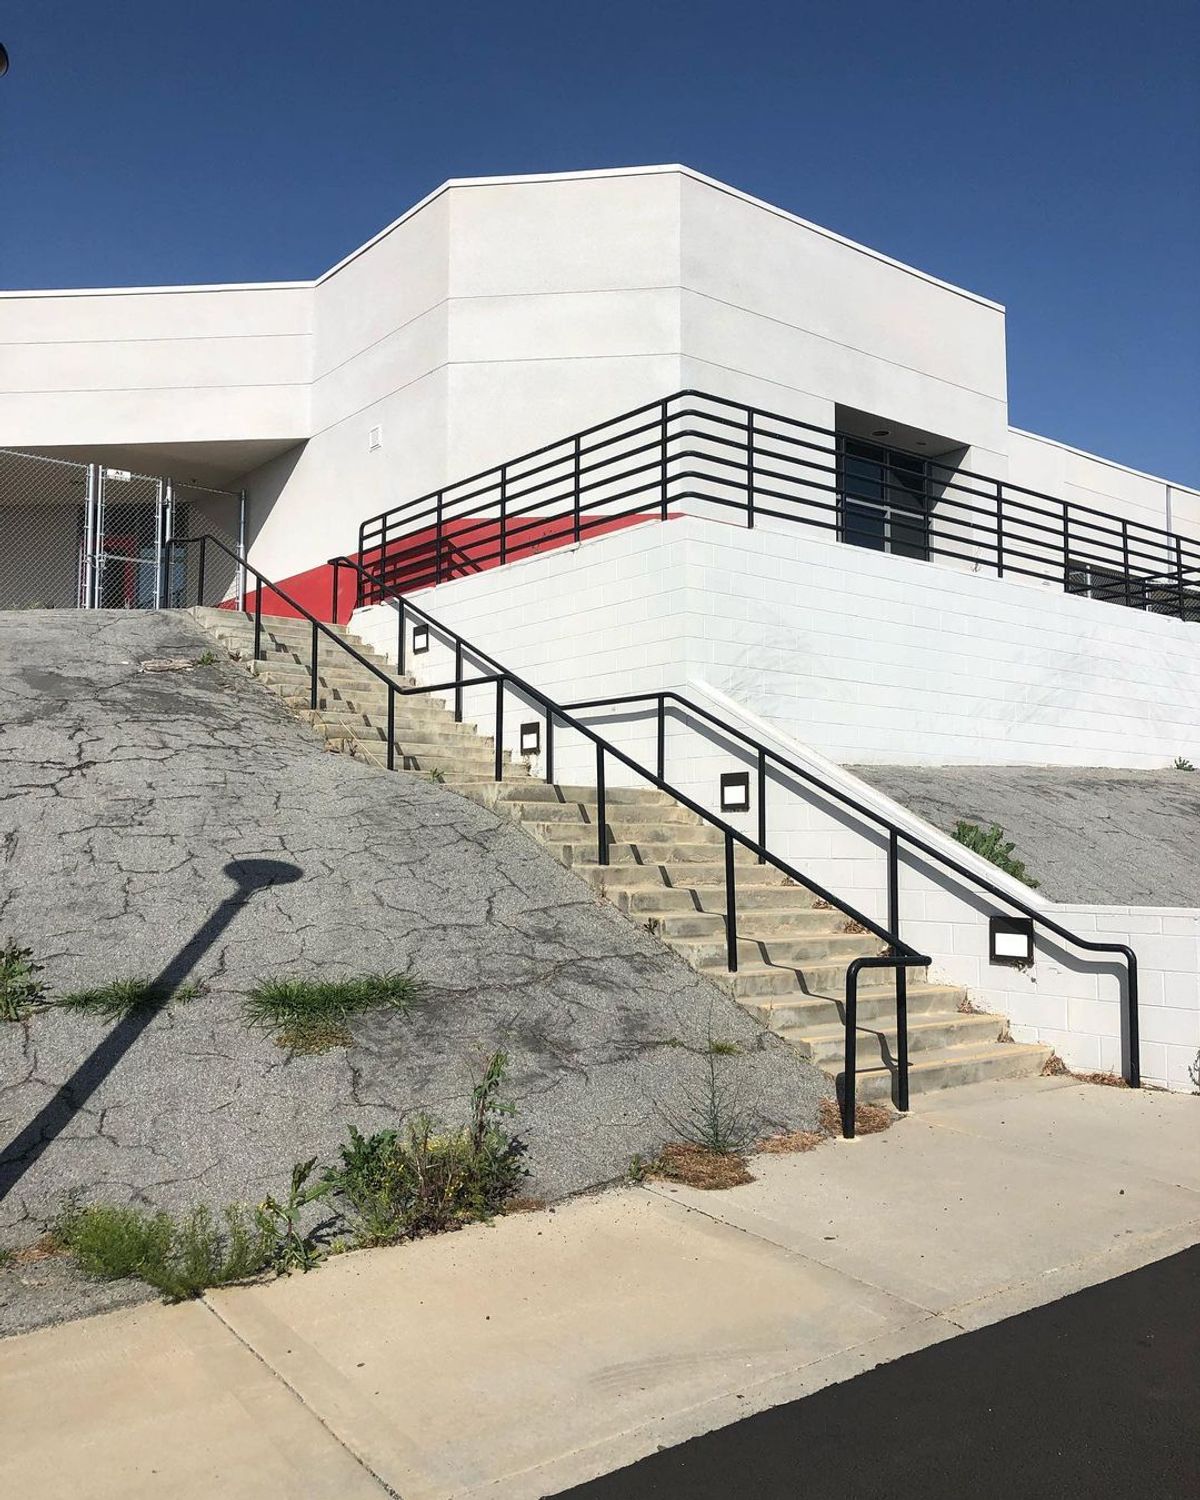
x=1044 y=154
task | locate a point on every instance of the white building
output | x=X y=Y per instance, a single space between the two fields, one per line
x=921 y=582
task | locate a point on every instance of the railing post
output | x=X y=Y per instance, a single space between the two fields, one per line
x=578 y=482
x=663 y=442
x=549 y=745
x=1125 y=560
x=1133 y=1030
x=258 y=593
x=1179 y=577
x=400 y=641
x=312 y=695
x=850 y=1061
x=999 y=530
x=458 y=672
x=391 y=728
x=601 y=809
x=437 y=565
x=503 y=513
x=499 y=729
x=333 y=616
x=661 y=738
x=762 y=805
x=731 y=936
x=1066 y=547
x=750 y=470
x=200 y=572
x=901 y=973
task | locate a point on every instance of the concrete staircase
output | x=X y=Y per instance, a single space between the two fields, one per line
x=666 y=872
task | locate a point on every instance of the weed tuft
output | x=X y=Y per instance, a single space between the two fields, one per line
x=1181 y=763
x=121 y=997
x=993 y=847
x=179 y=1258
x=279 y=1223
x=312 y=1015
x=425 y=1178
x=20 y=988
x=437 y=775
x=711 y=1114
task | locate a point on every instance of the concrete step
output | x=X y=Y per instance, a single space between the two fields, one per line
x=636 y=850
x=792 y=952
x=806 y=1014
x=681 y=876
x=876 y=1045
x=822 y=981
x=762 y=924
x=649 y=815
x=543 y=791
x=682 y=896
x=951 y=1067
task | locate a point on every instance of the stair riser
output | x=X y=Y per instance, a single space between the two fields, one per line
x=763 y=926
x=874 y=1006
x=877 y=1088
x=874 y=1050
x=792 y=953
x=822 y=982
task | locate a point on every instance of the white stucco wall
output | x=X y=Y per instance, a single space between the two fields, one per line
x=638 y=612
x=499 y=314
x=867 y=657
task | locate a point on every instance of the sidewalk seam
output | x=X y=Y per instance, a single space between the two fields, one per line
x=312 y=1411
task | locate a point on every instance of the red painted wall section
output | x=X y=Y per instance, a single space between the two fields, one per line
x=468 y=546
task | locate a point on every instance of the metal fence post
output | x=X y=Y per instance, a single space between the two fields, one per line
x=762 y=806
x=240 y=584
x=901 y=973
x=750 y=470
x=663 y=441
x=499 y=728
x=601 y=808
x=731 y=937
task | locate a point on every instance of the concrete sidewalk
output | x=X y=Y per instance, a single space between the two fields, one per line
x=517 y=1359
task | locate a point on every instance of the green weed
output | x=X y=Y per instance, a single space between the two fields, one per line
x=992 y=846
x=427 y=1177
x=312 y=1015
x=121 y=997
x=179 y=1258
x=20 y=988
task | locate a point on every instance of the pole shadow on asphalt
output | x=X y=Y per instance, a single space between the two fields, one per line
x=249 y=876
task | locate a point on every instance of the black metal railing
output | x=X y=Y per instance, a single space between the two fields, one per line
x=487 y=671
x=749 y=464
x=898 y=841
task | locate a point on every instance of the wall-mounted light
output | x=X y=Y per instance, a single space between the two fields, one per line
x=420 y=639
x=531 y=737
x=735 y=791
x=1011 y=940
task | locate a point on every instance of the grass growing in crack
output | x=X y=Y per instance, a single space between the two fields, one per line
x=428 y=1177
x=20 y=988
x=178 y=1257
x=207 y=659
x=121 y=997
x=312 y=1015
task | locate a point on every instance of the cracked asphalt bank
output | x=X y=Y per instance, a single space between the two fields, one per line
x=184 y=822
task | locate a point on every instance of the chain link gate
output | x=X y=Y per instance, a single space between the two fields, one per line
x=88 y=536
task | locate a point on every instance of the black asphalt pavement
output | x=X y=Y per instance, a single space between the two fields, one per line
x=1095 y=1395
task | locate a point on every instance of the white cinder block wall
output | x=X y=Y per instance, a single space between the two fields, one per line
x=835 y=654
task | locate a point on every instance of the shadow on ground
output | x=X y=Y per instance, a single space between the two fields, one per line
x=126 y=801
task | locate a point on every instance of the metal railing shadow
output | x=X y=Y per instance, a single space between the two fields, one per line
x=249 y=876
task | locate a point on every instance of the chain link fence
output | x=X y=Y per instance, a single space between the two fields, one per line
x=87 y=536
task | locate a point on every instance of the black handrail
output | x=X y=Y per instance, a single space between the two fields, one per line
x=765 y=754
x=761 y=464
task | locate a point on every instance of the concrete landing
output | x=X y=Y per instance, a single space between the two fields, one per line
x=518 y=1359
